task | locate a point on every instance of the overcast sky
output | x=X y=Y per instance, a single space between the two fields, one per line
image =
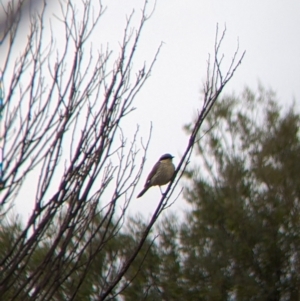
x=268 y=30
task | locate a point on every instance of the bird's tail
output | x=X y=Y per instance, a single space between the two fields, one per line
x=142 y=192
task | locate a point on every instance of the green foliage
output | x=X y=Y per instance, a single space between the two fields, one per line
x=86 y=272
x=240 y=239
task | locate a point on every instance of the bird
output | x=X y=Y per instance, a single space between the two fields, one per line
x=161 y=173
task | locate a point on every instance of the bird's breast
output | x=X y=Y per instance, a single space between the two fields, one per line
x=163 y=175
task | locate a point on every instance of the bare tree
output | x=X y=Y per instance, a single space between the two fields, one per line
x=63 y=113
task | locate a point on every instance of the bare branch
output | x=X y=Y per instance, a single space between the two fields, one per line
x=212 y=89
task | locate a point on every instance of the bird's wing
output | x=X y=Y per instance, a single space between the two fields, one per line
x=152 y=173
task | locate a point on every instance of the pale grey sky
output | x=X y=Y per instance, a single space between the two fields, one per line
x=268 y=30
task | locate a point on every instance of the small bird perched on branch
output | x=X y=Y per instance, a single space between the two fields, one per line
x=161 y=173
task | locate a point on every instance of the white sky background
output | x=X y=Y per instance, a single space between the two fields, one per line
x=268 y=30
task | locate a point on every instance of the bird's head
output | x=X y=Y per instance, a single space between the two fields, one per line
x=166 y=157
